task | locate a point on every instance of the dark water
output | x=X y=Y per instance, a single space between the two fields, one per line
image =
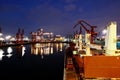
x=31 y=66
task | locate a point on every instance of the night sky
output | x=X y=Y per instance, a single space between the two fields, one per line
x=57 y=16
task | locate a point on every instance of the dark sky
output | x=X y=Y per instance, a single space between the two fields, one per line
x=57 y=16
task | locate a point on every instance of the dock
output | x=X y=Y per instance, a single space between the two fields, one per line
x=87 y=70
x=69 y=70
x=70 y=74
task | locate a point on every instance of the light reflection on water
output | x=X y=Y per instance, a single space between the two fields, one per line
x=46 y=49
x=35 y=49
x=47 y=59
x=9 y=51
x=1 y=54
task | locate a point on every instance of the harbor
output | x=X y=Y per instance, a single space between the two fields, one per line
x=90 y=60
x=60 y=39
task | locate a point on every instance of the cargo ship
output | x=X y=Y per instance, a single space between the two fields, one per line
x=92 y=61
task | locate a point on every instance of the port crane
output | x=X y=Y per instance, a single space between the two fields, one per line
x=20 y=36
x=91 y=31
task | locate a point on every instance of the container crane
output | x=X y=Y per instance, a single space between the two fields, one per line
x=91 y=31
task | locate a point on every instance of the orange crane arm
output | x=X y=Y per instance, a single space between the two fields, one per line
x=91 y=31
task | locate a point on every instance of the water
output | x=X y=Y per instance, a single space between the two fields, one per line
x=43 y=62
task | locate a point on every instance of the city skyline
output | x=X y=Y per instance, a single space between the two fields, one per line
x=57 y=16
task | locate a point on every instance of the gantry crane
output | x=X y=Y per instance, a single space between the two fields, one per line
x=91 y=31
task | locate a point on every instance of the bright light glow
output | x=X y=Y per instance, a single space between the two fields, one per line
x=42 y=51
x=36 y=51
x=12 y=39
x=26 y=38
x=104 y=31
x=8 y=37
x=9 y=50
x=23 y=50
x=61 y=46
x=51 y=50
x=74 y=41
x=1 y=34
x=51 y=33
x=9 y=55
x=37 y=45
x=1 y=54
x=46 y=50
x=41 y=29
x=1 y=39
x=75 y=52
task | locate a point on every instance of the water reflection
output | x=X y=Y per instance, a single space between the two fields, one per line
x=23 y=50
x=20 y=50
x=9 y=50
x=45 y=59
x=8 y=54
x=46 y=48
x=1 y=54
x=34 y=49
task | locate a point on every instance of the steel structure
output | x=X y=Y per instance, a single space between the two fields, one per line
x=20 y=36
x=82 y=24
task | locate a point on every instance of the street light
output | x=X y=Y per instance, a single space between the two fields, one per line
x=104 y=31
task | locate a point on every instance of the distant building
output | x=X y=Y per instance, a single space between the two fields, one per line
x=58 y=38
x=41 y=35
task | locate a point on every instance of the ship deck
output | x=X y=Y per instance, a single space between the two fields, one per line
x=71 y=74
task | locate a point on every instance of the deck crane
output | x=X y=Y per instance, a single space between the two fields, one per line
x=91 y=31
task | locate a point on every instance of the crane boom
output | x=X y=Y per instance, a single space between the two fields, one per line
x=91 y=31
